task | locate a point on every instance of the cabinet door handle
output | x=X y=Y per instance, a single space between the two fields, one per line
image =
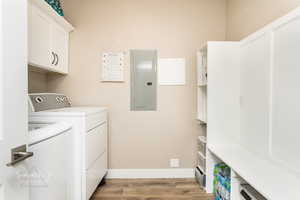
x=57 y=59
x=54 y=58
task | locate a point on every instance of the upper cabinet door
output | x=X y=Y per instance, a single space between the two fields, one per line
x=60 y=47
x=39 y=38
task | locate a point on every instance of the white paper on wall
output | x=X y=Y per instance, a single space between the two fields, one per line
x=171 y=71
x=113 y=67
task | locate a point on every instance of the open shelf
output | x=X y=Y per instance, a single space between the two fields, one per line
x=202 y=104
x=202 y=121
x=202 y=66
x=202 y=85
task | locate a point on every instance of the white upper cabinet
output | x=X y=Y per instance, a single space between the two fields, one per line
x=48 y=38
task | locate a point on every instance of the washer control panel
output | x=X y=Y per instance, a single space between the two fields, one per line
x=48 y=101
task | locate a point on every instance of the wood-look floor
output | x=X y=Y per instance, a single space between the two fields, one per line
x=151 y=189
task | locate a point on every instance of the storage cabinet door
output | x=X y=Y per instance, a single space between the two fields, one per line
x=286 y=97
x=39 y=38
x=60 y=47
x=255 y=94
x=223 y=114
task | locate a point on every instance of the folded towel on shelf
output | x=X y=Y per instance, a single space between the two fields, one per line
x=55 y=4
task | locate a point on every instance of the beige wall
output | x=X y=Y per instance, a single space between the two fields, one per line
x=37 y=82
x=176 y=28
x=247 y=16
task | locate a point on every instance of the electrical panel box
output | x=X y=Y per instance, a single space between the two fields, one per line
x=143 y=80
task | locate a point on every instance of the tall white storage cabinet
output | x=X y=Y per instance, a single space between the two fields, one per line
x=270 y=96
x=253 y=108
x=218 y=99
x=48 y=38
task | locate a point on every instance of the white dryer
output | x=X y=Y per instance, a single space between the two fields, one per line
x=89 y=142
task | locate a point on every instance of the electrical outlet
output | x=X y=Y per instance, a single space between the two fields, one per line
x=174 y=162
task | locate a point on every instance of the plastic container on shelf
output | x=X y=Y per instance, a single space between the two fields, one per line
x=200 y=176
x=202 y=139
x=202 y=147
x=202 y=161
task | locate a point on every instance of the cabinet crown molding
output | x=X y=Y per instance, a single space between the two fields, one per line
x=47 y=9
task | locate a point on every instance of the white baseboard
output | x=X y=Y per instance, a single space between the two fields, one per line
x=151 y=173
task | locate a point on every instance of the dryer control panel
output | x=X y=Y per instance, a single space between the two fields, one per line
x=47 y=101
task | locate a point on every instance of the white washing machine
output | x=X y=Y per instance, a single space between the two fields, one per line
x=88 y=151
x=49 y=168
